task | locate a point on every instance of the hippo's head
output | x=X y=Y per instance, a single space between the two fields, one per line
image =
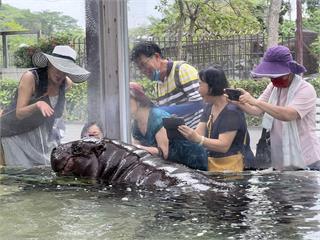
x=80 y=158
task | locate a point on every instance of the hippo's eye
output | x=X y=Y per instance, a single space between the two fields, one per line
x=76 y=150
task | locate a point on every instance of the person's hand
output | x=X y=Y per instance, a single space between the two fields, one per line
x=246 y=98
x=189 y=133
x=45 y=109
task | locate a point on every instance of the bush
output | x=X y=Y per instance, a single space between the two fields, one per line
x=255 y=88
x=8 y=89
x=76 y=103
x=23 y=55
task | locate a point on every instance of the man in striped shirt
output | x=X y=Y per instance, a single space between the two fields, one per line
x=178 y=82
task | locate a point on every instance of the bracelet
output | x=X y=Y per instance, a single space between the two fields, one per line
x=201 y=141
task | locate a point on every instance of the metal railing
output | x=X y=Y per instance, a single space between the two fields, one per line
x=236 y=54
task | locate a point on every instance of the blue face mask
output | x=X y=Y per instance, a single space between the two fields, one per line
x=156 y=75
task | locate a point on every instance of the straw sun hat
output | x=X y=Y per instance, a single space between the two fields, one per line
x=62 y=58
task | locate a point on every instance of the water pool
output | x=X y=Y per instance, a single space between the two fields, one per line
x=35 y=204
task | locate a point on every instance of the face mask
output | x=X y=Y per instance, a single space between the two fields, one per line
x=281 y=82
x=156 y=75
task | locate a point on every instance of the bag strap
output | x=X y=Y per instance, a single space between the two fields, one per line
x=177 y=77
x=245 y=138
x=209 y=125
x=264 y=133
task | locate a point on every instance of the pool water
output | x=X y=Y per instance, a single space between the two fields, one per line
x=35 y=204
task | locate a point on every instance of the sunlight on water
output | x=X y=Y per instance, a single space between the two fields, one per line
x=37 y=205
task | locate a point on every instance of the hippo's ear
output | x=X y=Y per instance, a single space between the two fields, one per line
x=99 y=149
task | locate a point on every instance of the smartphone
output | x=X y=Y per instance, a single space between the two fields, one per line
x=233 y=94
x=171 y=125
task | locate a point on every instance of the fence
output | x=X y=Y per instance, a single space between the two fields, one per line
x=79 y=45
x=237 y=55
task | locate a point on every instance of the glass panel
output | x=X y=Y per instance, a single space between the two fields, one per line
x=28 y=27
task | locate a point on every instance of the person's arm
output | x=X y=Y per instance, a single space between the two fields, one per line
x=69 y=83
x=279 y=112
x=162 y=143
x=222 y=144
x=25 y=90
x=244 y=105
x=201 y=128
x=255 y=106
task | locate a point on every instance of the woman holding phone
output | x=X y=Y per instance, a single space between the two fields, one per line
x=222 y=129
x=149 y=133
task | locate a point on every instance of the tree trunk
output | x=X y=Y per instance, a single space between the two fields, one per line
x=299 y=37
x=180 y=29
x=273 y=22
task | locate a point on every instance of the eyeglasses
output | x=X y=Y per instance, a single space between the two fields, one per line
x=142 y=64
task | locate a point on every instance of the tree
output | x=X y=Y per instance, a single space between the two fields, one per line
x=48 y=22
x=192 y=18
x=273 y=23
x=53 y=22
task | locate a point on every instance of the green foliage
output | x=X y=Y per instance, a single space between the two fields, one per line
x=7 y=91
x=55 y=27
x=150 y=87
x=77 y=100
x=48 y=22
x=204 y=18
x=315 y=47
x=313 y=23
x=255 y=88
x=54 y=22
x=23 y=55
x=316 y=83
x=287 y=28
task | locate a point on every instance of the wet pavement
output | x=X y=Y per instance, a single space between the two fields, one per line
x=73 y=131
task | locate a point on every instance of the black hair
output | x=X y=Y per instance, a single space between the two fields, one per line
x=146 y=48
x=216 y=80
x=88 y=125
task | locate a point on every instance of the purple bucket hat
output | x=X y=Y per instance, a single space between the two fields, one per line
x=277 y=61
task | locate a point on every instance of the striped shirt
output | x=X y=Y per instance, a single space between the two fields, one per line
x=187 y=90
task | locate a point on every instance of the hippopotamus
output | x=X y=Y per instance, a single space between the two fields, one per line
x=115 y=162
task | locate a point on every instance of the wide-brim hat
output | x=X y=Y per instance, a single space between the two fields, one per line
x=277 y=61
x=62 y=58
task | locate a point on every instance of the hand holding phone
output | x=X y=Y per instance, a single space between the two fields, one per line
x=171 y=125
x=233 y=94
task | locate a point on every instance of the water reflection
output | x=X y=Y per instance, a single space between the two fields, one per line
x=38 y=205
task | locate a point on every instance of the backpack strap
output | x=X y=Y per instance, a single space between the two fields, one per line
x=176 y=76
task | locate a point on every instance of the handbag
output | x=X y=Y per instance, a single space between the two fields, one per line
x=233 y=163
x=263 y=151
x=249 y=158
